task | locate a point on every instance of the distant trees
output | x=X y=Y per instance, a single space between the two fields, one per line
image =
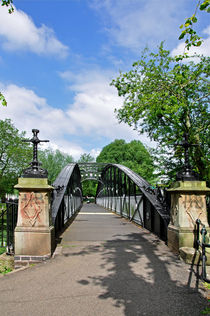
x=89 y=187
x=133 y=155
x=15 y=156
x=53 y=161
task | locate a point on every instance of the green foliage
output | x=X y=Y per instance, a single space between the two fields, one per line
x=3 y=100
x=54 y=162
x=133 y=155
x=165 y=99
x=89 y=187
x=86 y=158
x=192 y=38
x=2 y=250
x=206 y=311
x=8 y=3
x=15 y=155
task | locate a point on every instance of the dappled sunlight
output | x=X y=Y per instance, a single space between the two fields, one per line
x=136 y=276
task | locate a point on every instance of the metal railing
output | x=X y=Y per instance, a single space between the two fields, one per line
x=67 y=196
x=8 y=221
x=129 y=195
x=203 y=246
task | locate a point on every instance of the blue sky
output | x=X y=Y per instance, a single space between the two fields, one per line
x=58 y=57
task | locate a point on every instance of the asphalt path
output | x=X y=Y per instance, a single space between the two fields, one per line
x=104 y=265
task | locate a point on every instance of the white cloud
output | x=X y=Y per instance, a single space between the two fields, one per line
x=84 y=126
x=18 y=32
x=92 y=112
x=204 y=49
x=27 y=110
x=134 y=24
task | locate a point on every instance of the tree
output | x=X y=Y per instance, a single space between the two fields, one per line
x=86 y=158
x=166 y=99
x=133 y=155
x=54 y=162
x=15 y=156
x=89 y=187
x=192 y=38
x=8 y=3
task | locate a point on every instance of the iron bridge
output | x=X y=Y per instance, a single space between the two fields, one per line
x=119 y=189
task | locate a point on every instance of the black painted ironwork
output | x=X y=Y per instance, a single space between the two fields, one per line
x=91 y=170
x=119 y=189
x=129 y=195
x=8 y=221
x=67 y=196
x=35 y=171
x=203 y=246
x=187 y=174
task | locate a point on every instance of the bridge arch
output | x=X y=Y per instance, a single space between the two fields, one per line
x=67 y=195
x=119 y=189
x=129 y=195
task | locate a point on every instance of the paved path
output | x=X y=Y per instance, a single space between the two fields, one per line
x=106 y=266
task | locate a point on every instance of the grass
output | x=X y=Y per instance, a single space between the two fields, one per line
x=2 y=250
x=6 y=264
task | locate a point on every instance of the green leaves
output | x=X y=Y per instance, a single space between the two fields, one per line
x=205 y=5
x=53 y=162
x=164 y=99
x=192 y=38
x=8 y=3
x=15 y=156
x=3 y=100
x=133 y=155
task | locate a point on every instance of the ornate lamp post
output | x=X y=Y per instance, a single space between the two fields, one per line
x=187 y=174
x=34 y=233
x=35 y=171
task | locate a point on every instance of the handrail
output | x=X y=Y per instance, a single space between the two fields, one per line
x=8 y=220
x=67 y=196
x=129 y=195
x=203 y=246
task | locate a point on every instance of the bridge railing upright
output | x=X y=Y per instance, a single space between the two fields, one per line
x=67 y=196
x=8 y=220
x=130 y=196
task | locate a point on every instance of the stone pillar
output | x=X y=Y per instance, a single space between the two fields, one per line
x=188 y=203
x=34 y=233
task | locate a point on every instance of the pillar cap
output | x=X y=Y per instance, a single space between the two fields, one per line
x=33 y=183
x=187 y=186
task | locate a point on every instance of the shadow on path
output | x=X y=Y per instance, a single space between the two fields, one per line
x=143 y=277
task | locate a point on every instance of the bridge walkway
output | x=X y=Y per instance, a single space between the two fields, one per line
x=104 y=265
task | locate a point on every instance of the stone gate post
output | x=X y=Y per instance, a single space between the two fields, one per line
x=188 y=203
x=34 y=233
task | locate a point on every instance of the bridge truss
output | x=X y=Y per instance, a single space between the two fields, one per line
x=119 y=189
x=129 y=195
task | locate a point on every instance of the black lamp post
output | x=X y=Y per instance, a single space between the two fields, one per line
x=35 y=171
x=187 y=174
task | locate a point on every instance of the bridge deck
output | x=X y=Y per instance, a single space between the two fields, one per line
x=105 y=266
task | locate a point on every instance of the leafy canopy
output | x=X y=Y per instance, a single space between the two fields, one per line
x=133 y=155
x=15 y=156
x=53 y=161
x=166 y=99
